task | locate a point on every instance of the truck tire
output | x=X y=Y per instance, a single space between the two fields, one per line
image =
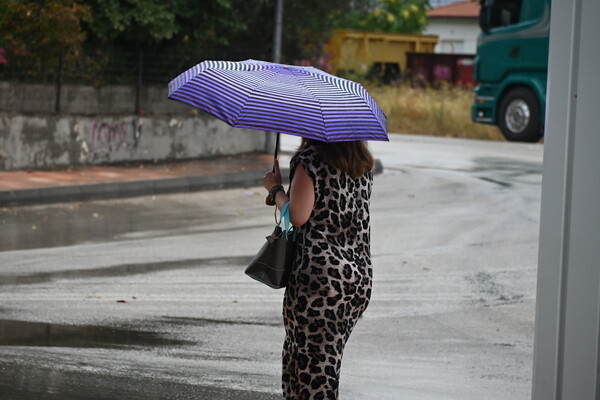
x=519 y=116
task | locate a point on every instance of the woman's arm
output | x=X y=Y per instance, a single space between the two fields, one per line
x=302 y=193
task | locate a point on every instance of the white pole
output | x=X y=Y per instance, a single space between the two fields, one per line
x=567 y=331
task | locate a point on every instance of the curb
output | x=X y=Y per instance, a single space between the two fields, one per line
x=124 y=189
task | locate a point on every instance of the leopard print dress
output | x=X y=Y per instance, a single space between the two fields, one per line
x=330 y=285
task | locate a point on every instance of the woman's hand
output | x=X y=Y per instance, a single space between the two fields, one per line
x=272 y=178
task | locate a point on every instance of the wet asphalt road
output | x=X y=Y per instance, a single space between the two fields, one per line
x=146 y=298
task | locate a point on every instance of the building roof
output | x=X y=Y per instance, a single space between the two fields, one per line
x=461 y=9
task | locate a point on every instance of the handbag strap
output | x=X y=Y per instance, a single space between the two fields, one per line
x=285 y=216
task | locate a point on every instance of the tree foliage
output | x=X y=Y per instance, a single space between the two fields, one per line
x=99 y=34
x=136 y=21
x=35 y=33
x=402 y=16
x=150 y=22
x=306 y=26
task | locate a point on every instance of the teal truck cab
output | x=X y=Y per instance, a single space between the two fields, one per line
x=511 y=67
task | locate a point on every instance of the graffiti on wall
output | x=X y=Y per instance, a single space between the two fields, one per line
x=108 y=138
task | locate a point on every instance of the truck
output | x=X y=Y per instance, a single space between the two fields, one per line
x=511 y=67
x=379 y=55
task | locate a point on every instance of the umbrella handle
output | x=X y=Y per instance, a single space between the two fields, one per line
x=276 y=149
x=267 y=201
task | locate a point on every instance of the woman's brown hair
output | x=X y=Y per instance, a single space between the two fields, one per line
x=353 y=158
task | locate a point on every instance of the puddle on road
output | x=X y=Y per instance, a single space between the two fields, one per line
x=74 y=376
x=67 y=224
x=497 y=182
x=39 y=381
x=207 y=321
x=123 y=270
x=24 y=333
x=505 y=172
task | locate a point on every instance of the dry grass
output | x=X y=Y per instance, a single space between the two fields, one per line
x=440 y=112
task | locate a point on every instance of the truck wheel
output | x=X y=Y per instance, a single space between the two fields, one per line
x=519 y=116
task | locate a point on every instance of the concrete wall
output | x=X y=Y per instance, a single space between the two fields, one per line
x=98 y=125
x=87 y=100
x=46 y=141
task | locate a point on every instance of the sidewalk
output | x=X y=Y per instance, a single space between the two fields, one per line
x=110 y=181
x=102 y=182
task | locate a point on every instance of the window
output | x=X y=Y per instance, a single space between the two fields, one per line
x=496 y=13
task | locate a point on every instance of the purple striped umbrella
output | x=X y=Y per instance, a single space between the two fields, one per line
x=300 y=101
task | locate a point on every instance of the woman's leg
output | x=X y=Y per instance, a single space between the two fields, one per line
x=325 y=315
x=289 y=355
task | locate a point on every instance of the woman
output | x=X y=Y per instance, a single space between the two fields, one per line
x=330 y=285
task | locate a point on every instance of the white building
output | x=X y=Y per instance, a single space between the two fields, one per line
x=457 y=26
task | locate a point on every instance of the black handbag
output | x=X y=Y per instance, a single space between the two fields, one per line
x=275 y=260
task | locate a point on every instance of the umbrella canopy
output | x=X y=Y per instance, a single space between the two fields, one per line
x=300 y=101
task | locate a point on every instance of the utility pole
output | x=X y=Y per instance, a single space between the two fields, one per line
x=277 y=31
x=58 y=83
x=271 y=138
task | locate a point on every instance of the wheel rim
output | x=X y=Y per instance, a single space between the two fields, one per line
x=517 y=115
